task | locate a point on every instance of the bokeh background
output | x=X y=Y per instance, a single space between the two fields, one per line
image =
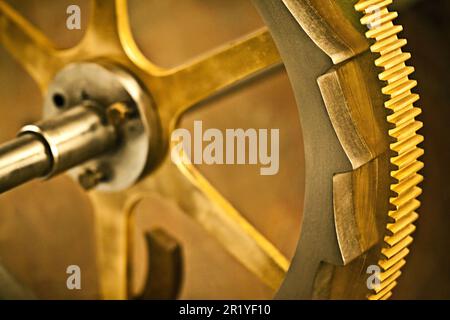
x=46 y=227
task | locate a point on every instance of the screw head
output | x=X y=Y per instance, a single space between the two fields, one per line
x=117 y=113
x=90 y=178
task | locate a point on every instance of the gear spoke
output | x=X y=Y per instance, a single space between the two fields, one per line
x=111 y=223
x=29 y=46
x=203 y=203
x=103 y=27
x=103 y=23
x=110 y=26
x=189 y=84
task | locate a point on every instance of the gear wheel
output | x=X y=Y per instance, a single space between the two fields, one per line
x=361 y=160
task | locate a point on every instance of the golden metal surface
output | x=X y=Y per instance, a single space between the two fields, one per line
x=355 y=197
x=405 y=140
x=175 y=90
x=353 y=109
x=165 y=259
x=353 y=99
x=361 y=128
x=329 y=25
x=360 y=195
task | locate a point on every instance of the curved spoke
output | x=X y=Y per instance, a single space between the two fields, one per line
x=110 y=26
x=104 y=17
x=111 y=227
x=189 y=84
x=175 y=90
x=203 y=203
x=28 y=46
x=102 y=36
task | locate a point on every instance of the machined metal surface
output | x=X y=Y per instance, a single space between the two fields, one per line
x=52 y=146
x=305 y=62
x=127 y=109
x=22 y=160
x=338 y=243
x=73 y=137
x=93 y=126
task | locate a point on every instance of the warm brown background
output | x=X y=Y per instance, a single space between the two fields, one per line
x=44 y=228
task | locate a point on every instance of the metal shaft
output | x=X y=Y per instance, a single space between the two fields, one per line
x=21 y=160
x=54 y=146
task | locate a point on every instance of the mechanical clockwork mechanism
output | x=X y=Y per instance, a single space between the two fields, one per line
x=108 y=113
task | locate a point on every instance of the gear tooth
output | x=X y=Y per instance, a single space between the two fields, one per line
x=403 y=198
x=386 y=274
x=386 y=296
x=388 y=74
x=384 y=59
x=400 y=235
x=396 y=73
x=364 y=5
x=393 y=59
x=398 y=44
x=407 y=184
x=393 y=85
x=399 y=86
x=378 y=17
x=383 y=292
x=372 y=33
x=406 y=130
x=403 y=116
x=402 y=147
x=379 y=45
x=392 y=251
x=407 y=158
x=403 y=223
x=383 y=18
x=406 y=172
x=373 y=16
x=392 y=278
x=404 y=210
x=404 y=87
x=401 y=101
x=386 y=264
x=384 y=31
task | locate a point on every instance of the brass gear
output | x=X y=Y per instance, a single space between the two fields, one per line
x=173 y=94
x=345 y=215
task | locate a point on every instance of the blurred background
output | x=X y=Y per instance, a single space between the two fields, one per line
x=41 y=234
